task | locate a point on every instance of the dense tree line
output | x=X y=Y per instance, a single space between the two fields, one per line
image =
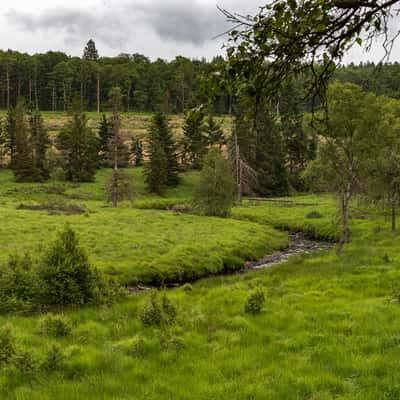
x=52 y=80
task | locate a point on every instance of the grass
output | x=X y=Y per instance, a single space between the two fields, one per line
x=133 y=123
x=147 y=246
x=328 y=331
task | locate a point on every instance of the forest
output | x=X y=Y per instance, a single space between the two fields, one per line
x=193 y=229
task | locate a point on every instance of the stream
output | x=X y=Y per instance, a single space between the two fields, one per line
x=298 y=244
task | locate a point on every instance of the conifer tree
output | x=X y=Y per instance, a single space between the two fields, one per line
x=79 y=147
x=261 y=147
x=119 y=186
x=10 y=134
x=194 y=140
x=90 y=53
x=137 y=151
x=169 y=147
x=22 y=164
x=214 y=132
x=104 y=138
x=156 y=168
x=40 y=142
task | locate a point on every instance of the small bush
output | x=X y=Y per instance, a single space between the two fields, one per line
x=187 y=287
x=90 y=331
x=255 y=302
x=158 y=313
x=314 y=215
x=54 y=359
x=65 y=275
x=214 y=195
x=25 y=362
x=386 y=258
x=55 y=326
x=8 y=347
x=18 y=286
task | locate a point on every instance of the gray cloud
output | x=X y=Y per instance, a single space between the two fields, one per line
x=174 y=20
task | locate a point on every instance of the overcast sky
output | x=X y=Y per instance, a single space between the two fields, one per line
x=155 y=28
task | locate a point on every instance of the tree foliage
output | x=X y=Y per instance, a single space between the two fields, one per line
x=214 y=195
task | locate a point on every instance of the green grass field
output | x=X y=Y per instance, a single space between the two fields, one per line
x=149 y=246
x=329 y=328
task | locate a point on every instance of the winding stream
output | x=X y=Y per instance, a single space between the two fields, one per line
x=297 y=245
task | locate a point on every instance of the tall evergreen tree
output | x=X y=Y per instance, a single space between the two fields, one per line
x=156 y=167
x=194 y=140
x=40 y=142
x=168 y=145
x=79 y=147
x=214 y=132
x=10 y=134
x=23 y=160
x=105 y=133
x=90 y=52
x=261 y=147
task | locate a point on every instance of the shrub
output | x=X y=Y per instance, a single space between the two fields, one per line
x=54 y=359
x=89 y=331
x=56 y=326
x=314 y=215
x=158 y=313
x=65 y=275
x=255 y=302
x=25 y=362
x=214 y=194
x=18 y=285
x=187 y=287
x=8 y=347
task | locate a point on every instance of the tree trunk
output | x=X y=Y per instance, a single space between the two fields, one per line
x=345 y=236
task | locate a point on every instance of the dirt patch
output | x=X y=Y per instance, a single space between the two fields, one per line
x=54 y=208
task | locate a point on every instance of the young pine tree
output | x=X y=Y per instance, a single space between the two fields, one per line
x=156 y=168
x=40 y=143
x=214 y=132
x=105 y=133
x=169 y=147
x=22 y=165
x=79 y=147
x=137 y=151
x=214 y=195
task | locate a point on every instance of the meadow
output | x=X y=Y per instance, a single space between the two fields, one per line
x=328 y=329
x=138 y=245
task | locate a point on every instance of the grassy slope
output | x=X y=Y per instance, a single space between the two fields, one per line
x=146 y=245
x=329 y=331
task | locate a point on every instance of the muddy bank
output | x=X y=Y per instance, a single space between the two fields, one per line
x=297 y=245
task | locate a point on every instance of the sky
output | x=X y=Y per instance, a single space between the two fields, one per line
x=155 y=28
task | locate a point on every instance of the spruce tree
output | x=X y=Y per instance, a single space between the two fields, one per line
x=194 y=140
x=90 y=52
x=261 y=147
x=104 y=138
x=79 y=147
x=214 y=132
x=22 y=164
x=40 y=143
x=137 y=151
x=168 y=145
x=10 y=134
x=156 y=168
